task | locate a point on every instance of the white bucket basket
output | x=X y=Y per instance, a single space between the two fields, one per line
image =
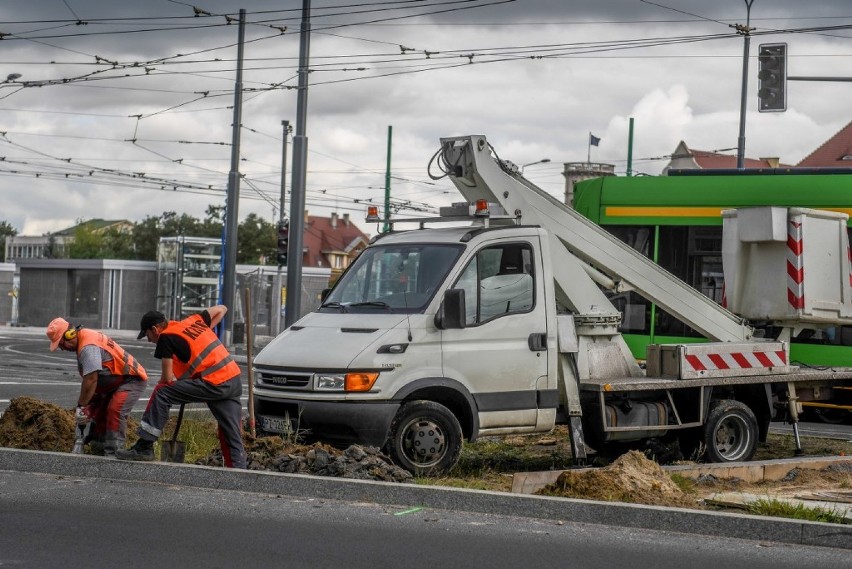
x=787 y=264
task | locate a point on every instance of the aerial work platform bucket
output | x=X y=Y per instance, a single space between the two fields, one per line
x=787 y=265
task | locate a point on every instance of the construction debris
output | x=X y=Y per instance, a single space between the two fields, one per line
x=276 y=455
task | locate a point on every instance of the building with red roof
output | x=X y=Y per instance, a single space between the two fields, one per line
x=332 y=242
x=685 y=158
x=836 y=152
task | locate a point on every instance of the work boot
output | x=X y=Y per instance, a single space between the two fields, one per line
x=142 y=451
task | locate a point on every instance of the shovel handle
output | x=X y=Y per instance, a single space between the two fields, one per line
x=177 y=425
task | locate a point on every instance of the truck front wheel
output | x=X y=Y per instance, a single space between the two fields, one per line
x=425 y=438
x=730 y=433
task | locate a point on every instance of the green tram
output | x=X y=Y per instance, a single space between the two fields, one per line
x=676 y=220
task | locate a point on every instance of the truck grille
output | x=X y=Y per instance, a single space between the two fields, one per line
x=285 y=380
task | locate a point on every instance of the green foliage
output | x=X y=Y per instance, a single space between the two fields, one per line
x=146 y=236
x=256 y=237
x=53 y=251
x=782 y=509
x=6 y=230
x=109 y=243
x=257 y=241
x=213 y=222
x=147 y=233
x=684 y=483
x=86 y=245
x=198 y=433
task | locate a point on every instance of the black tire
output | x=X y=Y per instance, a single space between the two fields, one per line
x=730 y=433
x=425 y=438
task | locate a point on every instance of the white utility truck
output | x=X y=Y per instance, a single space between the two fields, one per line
x=443 y=333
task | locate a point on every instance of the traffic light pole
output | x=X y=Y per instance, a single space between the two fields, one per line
x=746 y=32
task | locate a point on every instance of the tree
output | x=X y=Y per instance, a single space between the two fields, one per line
x=53 y=250
x=147 y=233
x=6 y=230
x=256 y=236
x=256 y=241
x=93 y=243
x=213 y=221
x=146 y=237
x=86 y=245
x=117 y=244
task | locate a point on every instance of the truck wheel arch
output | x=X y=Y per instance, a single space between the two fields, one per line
x=757 y=397
x=449 y=393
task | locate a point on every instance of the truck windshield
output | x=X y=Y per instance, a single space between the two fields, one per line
x=392 y=278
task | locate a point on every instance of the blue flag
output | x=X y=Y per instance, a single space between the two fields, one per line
x=593 y=140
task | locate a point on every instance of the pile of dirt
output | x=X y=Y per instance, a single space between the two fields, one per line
x=632 y=477
x=276 y=455
x=32 y=424
x=35 y=425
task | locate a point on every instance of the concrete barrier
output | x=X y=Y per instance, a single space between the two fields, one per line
x=740 y=526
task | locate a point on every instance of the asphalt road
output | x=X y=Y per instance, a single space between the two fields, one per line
x=65 y=521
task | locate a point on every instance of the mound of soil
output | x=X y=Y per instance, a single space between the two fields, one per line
x=32 y=424
x=632 y=477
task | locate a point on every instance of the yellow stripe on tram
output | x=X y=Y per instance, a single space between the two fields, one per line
x=624 y=211
x=683 y=211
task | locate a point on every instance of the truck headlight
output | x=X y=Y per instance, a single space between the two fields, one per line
x=354 y=381
x=330 y=382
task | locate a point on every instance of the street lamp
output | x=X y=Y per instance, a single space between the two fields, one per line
x=542 y=161
x=12 y=77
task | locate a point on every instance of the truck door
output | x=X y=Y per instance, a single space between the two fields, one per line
x=500 y=354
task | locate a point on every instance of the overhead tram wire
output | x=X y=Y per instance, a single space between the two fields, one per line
x=229 y=20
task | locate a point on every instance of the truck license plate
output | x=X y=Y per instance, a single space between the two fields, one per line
x=274 y=424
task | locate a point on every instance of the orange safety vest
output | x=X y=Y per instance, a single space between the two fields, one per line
x=122 y=363
x=209 y=359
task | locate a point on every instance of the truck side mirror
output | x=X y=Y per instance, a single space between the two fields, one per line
x=451 y=315
x=324 y=294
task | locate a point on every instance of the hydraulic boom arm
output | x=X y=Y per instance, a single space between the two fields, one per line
x=478 y=174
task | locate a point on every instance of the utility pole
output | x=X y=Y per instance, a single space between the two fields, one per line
x=229 y=266
x=285 y=125
x=745 y=31
x=630 y=148
x=388 y=181
x=300 y=167
x=277 y=301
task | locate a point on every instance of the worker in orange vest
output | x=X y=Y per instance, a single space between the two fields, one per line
x=113 y=381
x=196 y=367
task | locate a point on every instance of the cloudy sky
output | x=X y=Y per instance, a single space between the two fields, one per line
x=123 y=109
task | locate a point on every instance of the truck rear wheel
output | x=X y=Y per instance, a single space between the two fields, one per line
x=730 y=433
x=426 y=438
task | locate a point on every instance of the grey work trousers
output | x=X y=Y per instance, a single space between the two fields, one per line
x=222 y=399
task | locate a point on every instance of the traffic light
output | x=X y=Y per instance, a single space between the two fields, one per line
x=283 y=239
x=772 y=77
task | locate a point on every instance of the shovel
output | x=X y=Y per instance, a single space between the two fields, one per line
x=78 y=442
x=174 y=450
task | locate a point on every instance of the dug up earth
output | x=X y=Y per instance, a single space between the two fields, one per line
x=36 y=425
